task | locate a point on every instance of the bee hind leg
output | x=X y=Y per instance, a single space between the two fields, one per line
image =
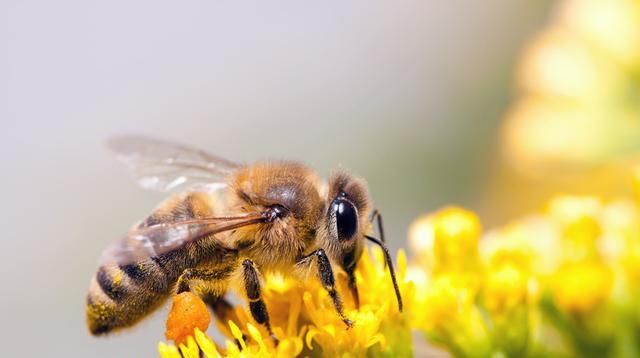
x=214 y=298
x=256 y=304
x=325 y=274
x=220 y=306
x=208 y=275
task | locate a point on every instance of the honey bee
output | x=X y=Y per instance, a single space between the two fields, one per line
x=230 y=224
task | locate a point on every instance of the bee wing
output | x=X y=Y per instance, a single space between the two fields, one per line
x=143 y=242
x=164 y=166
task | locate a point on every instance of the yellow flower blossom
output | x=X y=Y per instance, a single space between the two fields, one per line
x=564 y=281
x=560 y=64
x=305 y=322
x=565 y=275
x=506 y=286
x=579 y=84
x=555 y=283
x=610 y=25
x=447 y=240
x=580 y=287
x=578 y=222
x=450 y=317
x=511 y=289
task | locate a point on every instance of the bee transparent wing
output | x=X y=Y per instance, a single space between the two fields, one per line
x=164 y=166
x=143 y=242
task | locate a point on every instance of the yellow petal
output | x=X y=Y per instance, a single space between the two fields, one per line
x=255 y=334
x=309 y=338
x=237 y=334
x=294 y=314
x=206 y=345
x=168 y=351
x=232 y=349
x=331 y=329
x=378 y=338
x=190 y=350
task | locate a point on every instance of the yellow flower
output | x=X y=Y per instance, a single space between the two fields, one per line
x=506 y=286
x=379 y=328
x=565 y=272
x=191 y=348
x=452 y=233
x=579 y=81
x=566 y=280
x=631 y=261
x=305 y=322
x=613 y=26
x=580 y=287
x=514 y=258
x=449 y=316
x=579 y=225
x=558 y=63
x=568 y=271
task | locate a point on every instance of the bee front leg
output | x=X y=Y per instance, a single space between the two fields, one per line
x=354 y=287
x=256 y=304
x=325 y=274
x=376 y=216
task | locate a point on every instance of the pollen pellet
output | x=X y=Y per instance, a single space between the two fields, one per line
x=188 y=312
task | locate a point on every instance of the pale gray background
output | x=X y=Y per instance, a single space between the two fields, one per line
x=407 y=94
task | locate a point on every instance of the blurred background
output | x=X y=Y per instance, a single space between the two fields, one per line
x=408 y=95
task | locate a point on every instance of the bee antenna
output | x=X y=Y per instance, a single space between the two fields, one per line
x=387 y=259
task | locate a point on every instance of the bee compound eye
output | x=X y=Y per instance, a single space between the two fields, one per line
x=346 y=220
x=276 y=211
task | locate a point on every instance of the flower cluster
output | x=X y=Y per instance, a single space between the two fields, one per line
x=560 y=283
x=579 y=85
x=306 y=323
x=563 y=282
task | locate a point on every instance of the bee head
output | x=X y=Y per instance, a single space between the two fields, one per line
x=289 y=193
x=347 y=211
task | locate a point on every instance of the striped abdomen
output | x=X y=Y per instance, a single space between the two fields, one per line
x=119 y=296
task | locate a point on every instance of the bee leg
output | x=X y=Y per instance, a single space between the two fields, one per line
x=222 y=309
x=354 y=288
x=188 y=275
x=392 y=273
x=325 y=274
x=256 y=304
x=376 y=216
x=209 y=275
